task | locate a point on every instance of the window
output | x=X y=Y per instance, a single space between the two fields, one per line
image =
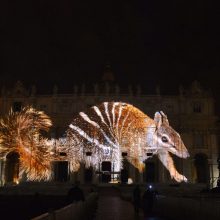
x=106 y=166
x=17 y=106
x=199 y=140
x=197 y=108
x=124 y=154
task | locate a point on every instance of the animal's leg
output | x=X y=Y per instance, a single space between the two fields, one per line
x=167 y=161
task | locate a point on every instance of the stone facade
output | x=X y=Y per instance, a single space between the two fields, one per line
x=191 y=112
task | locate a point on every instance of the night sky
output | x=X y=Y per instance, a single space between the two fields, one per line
x=145 y=41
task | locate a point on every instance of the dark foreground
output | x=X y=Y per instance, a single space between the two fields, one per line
x=110 y=206
x=26 y=207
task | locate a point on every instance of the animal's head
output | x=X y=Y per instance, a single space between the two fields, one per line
x=167 y=138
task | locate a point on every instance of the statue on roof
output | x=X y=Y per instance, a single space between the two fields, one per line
x=130 y=90
x=19 y=89
x=138 y=90
x=96 y=88
x=158 y=90
x=75 y=89
x=117 y=89
x=83 y=89
x=107 y=88
x=196 y=88
x=33 y=90
x=55 y=90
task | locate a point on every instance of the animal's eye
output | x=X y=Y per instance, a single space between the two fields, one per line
x=164 y=139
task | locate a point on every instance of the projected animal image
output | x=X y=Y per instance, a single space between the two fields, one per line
x=101 y=133
x=112 y=127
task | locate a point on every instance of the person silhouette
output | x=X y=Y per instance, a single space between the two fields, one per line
x=136 y=198
x=75 y=194
x=148 y=201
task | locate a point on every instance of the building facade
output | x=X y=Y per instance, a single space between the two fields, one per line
x=191 y=112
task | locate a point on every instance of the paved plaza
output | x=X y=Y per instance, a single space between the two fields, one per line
x=112 y=207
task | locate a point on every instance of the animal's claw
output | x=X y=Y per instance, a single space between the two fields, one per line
x=179 y=178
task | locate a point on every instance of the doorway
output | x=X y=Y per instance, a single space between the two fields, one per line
x=88 y=174
x=106 y=169
x=61 y=171
x=202 y=168
x=12 y=167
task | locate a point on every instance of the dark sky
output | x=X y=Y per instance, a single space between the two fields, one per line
x=145 y=41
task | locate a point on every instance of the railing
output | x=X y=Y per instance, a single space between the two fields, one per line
x=77 y=211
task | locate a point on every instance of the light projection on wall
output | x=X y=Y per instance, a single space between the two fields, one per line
x=115 y=127
x=20 y=133
x=100 y=134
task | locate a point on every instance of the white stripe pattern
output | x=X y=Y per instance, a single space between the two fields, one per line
x=86 y=136
x=123 y=122
x=113 y=113
x=86 y=118
x=117 y=124
x=98 y=112
x=107 y=113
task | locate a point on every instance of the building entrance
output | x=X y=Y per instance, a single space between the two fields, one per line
x=61 y=171
x=88 y=175
x=12 y=167
x=106 y=171
x=202 y=169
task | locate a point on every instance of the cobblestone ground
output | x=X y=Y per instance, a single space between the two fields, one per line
x=112 y=207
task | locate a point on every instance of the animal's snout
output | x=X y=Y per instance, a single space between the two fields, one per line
x=184 y=151
x=186 y=154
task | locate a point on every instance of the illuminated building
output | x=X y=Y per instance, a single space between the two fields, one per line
x=191 y=113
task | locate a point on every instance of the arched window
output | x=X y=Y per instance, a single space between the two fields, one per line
x=197 y=108
x=12 y=167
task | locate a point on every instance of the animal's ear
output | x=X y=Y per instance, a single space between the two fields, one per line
x=158 y=119
x=164 y=118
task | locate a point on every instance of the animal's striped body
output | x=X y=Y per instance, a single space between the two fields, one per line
x=114 y=127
